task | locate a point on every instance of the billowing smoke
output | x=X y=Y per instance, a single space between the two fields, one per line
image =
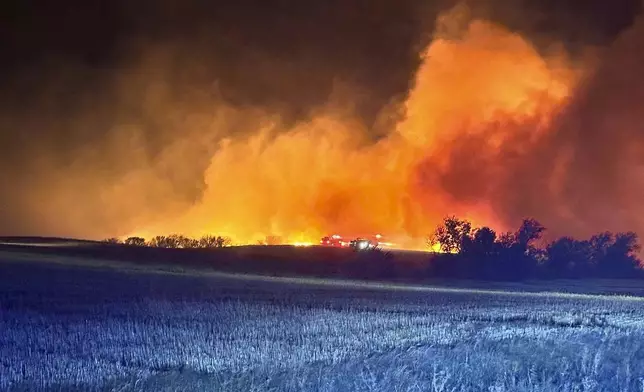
x=582 y=170
x=593 y=158
x=492 y=129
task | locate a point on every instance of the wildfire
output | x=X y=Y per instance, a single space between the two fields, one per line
x=302 y=244
x=326 y=175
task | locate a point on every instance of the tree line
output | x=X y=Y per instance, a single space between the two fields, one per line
x=175 y=241
x=467 y=252
x=483 y=253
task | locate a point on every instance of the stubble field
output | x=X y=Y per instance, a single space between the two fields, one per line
x=73 y=327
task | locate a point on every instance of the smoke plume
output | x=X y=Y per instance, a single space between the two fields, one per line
x=492 y=129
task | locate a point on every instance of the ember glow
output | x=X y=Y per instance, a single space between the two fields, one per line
x=325 y=175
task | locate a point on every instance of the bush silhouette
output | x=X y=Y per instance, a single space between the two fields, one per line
x=134 y=241
x=449 y=236
x=162 y=241
x=210 y=241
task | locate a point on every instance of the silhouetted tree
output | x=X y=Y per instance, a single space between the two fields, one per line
x=600 y=243
x=181 y=241
x=175 y=240
x=112 y=240
x=210 y=241
x=135 y=241
x=529 y=232
x=509 y=256
x=568 y=257
x=619 y=259
x=161 y=241
x=598 y=246
x=478 y=254
x=518 y=257
x=207 y=241
x=506 y=240
x=481 y=243
x=451 y=234
x=604 y=255
x=222 y=242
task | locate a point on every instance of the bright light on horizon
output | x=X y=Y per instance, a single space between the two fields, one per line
x=301 y=244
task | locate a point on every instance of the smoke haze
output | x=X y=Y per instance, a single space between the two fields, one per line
x=479 y=121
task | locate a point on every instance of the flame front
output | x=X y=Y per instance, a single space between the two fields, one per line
x=326 y=175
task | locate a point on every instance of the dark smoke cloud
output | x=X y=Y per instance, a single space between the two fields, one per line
x=603 y=130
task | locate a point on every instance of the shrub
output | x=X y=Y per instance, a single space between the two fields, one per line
x=135 y=241
x=451 y=234
x=210 y=241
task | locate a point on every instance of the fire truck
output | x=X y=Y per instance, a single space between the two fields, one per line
x=334 y=241
x=357 y=243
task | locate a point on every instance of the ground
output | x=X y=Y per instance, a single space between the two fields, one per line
x=70 y=325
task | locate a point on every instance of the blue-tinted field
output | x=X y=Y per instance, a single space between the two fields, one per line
x=75 y=328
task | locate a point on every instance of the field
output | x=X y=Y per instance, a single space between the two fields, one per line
x=70 y=326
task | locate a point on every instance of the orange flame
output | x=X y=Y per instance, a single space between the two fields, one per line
x=325 y=175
